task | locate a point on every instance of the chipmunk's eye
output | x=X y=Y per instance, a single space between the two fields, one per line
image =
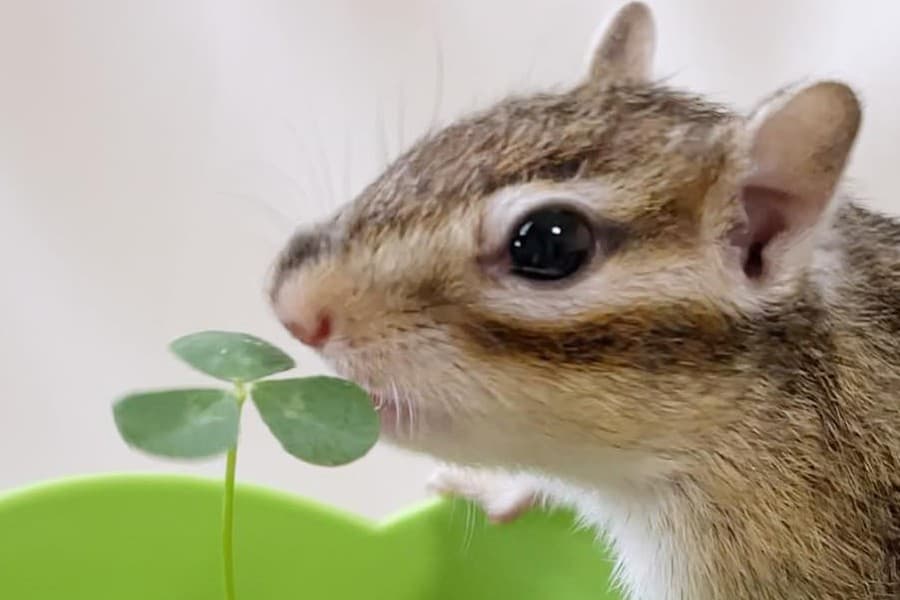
x=550 y=244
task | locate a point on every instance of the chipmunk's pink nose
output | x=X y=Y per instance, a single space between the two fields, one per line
x=314 y=332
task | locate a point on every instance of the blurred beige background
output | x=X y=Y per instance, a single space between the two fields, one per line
x=154 y=155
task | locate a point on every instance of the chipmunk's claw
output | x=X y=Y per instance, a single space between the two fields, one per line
x=502 y=498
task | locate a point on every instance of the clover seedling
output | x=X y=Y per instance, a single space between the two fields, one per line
x=320 y=420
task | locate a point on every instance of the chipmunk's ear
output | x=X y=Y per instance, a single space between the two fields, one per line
x=799 y=142
x=623 y=52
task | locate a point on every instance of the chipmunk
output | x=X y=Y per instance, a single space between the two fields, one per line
x=630 y=300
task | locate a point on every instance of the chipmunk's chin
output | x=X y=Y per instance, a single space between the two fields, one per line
x=405 y=421
x=409 y=417
x=428 y=420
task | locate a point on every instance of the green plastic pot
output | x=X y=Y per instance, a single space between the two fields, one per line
x=149 y=537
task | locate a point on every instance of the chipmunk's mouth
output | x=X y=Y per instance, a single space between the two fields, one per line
x=404 y=418
x=406 y=413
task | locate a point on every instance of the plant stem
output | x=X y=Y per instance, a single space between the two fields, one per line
x=228 y=505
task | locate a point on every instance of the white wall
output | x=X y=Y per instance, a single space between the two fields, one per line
x=154 y=155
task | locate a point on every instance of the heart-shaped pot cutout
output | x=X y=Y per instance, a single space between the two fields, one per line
x=151 y=537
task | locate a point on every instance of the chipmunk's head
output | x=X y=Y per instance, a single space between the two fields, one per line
x=569 y=270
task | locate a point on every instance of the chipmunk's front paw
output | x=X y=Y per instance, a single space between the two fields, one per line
x=503 y=498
